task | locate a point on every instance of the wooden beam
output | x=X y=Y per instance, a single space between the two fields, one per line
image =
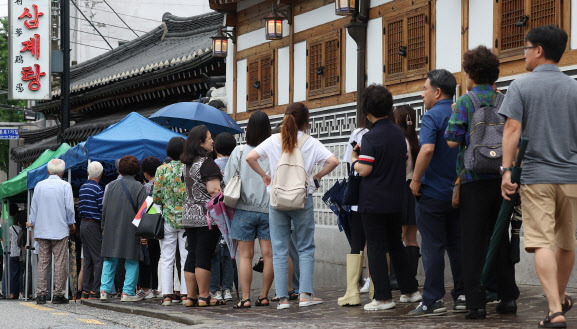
x=292 y=57
x=464 y=43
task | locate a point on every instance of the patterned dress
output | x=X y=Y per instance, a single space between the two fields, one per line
x=194 y=210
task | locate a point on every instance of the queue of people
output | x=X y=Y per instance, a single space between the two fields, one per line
x=441 y=183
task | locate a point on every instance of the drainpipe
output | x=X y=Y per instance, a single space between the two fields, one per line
x=357 y=29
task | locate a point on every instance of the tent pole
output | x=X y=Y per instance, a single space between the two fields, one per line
x=7 y=234
x=27 y=249
x=5 y=274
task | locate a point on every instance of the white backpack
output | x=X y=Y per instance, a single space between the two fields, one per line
x=291 y=181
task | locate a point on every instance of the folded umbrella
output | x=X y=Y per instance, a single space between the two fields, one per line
x=222 y=217
x=504 y=214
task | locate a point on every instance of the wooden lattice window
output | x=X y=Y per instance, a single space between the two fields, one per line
x=260 y=80
x=517 y=17
x=324 y=66
x=407 y=43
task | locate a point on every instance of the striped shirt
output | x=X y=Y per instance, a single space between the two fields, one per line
x=90 y=200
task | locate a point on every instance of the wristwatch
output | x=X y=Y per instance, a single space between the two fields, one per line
x=503 y=169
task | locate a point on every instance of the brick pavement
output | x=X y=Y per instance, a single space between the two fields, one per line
x=531 y=308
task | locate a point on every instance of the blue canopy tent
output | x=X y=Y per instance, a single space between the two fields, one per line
x=73 y=158
x=134 y=135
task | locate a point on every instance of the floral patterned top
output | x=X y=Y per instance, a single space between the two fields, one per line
x=170 y=192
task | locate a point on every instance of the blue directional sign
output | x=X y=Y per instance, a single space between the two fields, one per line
x=9 y=133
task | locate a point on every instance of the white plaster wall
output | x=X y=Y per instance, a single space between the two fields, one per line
x=300 y=79
x=448 y=37
x=257 y=37
x=375 y=3
x=351 y=64
x=241 y=86
x=480 y=23
x=573 y=24
x=375 y=51
x=283 y=61
x=230 y=77
x=315 y=17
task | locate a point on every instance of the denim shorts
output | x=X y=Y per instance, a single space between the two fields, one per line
x=249 y=225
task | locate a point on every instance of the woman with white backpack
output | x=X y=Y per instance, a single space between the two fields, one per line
x=251 y=220
x=292 y=155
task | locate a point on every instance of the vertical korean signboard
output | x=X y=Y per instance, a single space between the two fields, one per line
x=30 y=48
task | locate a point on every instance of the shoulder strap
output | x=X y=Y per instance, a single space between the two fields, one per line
x=128 y=195
x=239 y=161
x=498 y=100
x=302 y=141
x=474 y=99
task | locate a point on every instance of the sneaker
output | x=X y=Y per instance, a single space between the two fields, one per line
x=310 y=300
x=156 y=294
x=411 y=298
x=59 y=300
x=378 y=305
x=366 y=286
x=85 y=295
x=423 y=310
x=128 y=298
x=283 y=306
x=227 y=295
x=144 y=294
x=93 y=295
x=216 y=295
x=460 y=305
x=104 y=297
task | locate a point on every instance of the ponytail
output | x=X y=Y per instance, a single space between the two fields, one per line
x=296 y=118
x=289 y=133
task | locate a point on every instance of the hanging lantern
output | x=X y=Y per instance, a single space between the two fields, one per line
x=273 y=27
x=345 y=7
x=219 y=45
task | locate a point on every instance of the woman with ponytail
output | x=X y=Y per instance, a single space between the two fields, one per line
x=294 y=125
x=404 y=117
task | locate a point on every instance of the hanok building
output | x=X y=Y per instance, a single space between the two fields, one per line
x=172 y=63
x=315 y=62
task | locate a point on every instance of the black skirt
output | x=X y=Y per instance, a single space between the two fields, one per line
x=409 y=217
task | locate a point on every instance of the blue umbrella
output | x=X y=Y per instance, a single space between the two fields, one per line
x=188 y=115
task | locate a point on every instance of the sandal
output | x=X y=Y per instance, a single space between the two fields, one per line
x=567 y=304
x=167 y=300
x=241 y=304
x=548 y=324
x=275 y=299
x=207 y=302
x=260 y=301
x=191 y=302
x=293 y=295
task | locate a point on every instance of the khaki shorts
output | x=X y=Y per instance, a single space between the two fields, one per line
x=549 y=216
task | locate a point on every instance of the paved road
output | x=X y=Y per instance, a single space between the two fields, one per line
x=20 y=314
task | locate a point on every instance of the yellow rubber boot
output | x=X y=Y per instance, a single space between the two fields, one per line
x=354 y=271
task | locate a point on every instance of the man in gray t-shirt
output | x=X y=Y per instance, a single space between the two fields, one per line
x=542 y=106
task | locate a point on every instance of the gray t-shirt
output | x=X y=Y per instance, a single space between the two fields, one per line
x=545 y=102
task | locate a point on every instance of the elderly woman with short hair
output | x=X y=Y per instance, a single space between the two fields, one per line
x=90 y=206
x=119 y=238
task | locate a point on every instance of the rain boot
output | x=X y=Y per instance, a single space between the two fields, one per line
x=354 y=271
x=413 y=253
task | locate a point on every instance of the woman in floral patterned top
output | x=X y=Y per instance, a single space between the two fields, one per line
x=170 y=192
x=203 y=181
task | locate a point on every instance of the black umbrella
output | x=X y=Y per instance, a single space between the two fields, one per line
x=504 y=214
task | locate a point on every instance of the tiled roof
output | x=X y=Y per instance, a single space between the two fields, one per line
x=177 y=41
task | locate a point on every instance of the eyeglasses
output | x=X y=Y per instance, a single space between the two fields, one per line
x=526 y=48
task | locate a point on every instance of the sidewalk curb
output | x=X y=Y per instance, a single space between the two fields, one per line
x=170 y=316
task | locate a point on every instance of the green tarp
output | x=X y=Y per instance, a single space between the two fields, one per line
x=17 y=184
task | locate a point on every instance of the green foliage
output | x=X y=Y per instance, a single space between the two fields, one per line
x=6 y=115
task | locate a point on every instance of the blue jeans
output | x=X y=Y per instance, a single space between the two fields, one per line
x=221 y=263
x=304 y=233
x=130 y=278
x=15 y=276
x=440 y=230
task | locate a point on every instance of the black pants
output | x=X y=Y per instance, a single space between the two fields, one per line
x=358 y=238
x=148 y=273
x=91 y=235
x=479 y=208
x=383 y=232
x=201 y=243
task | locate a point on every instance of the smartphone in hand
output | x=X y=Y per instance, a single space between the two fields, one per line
x=355 y=149
x=317 y=184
